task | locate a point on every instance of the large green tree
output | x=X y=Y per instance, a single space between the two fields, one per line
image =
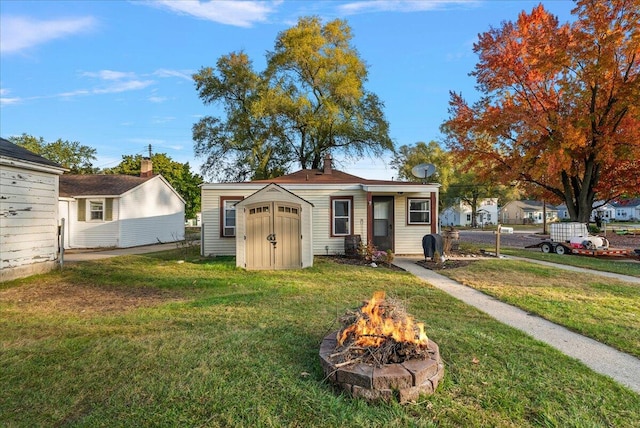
x=178 y=174
x=560 y=109
x=70 y=154
x=309 y=101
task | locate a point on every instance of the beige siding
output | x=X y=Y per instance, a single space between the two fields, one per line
x=407 y=238
x=28 y=217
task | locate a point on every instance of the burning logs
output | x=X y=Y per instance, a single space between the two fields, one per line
x=381 y=353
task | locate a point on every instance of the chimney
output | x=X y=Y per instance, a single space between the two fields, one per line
x=327 y=163
x=146 y=167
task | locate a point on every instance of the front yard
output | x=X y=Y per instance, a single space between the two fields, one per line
x=148 y=341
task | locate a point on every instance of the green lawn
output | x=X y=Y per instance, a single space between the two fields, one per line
x=602 y=308
x=147 y=341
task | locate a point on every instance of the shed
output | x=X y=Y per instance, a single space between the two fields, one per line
x=28 y=212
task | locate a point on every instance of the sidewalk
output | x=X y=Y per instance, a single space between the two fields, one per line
x=602 y=359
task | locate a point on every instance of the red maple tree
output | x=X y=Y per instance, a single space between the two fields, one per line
x=560 y=105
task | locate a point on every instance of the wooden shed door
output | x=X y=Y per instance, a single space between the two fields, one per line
x=273 y=238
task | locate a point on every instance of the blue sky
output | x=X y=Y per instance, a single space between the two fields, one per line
x=116 y=75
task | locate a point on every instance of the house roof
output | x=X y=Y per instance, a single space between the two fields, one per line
x=10 y=150
x=626 y=203
x=72 y=185
x=317 y=176
x=531 y=205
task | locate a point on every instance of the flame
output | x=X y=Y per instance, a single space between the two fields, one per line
x=375 y=327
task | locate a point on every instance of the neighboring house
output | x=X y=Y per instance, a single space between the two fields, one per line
x=120 y=210
x=627 y=209
x=460 y=213
x=527 y=212
x=283 y=222
x=28 y=212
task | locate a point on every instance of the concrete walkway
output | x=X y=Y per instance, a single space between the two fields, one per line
x=626 y=278
x=71 y=256
x=602 y=359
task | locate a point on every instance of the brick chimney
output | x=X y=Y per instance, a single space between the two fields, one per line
x=327 y=163
x=146 y=167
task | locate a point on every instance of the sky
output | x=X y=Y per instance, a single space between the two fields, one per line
x=116 y=75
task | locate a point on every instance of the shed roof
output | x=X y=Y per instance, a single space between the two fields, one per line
x=10 y=150
x=72 y=185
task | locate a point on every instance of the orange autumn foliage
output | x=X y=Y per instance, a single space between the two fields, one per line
x=560 y=110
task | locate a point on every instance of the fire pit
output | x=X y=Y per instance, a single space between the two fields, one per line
x=382 y=354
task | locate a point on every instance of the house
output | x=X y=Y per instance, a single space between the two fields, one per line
x=460 y=213
x=527 y=212
x=111 y=210
x=283 y=222
x=28 y=212
x=627 y=209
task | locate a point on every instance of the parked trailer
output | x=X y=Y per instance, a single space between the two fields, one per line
x=573 y=238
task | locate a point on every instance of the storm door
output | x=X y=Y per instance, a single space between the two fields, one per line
x=382 y=222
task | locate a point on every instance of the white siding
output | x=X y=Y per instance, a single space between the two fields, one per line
x=91 y=234
x=213 y=244
x=28 y=217
x=149 y=214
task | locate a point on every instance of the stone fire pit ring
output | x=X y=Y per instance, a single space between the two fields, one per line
x=403 y=382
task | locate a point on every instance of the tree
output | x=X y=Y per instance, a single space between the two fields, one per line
x=309 y=101
x=70 y=154
x=178 y=174
x=561 y=104
x=407 y=157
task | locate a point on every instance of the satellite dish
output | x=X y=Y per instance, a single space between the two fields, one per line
x=423 y=170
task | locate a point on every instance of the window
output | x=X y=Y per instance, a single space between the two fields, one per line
x=341 y=214
x=419 y=211
x=228 y=216
x=96 y=210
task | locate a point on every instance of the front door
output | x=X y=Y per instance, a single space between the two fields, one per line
x=383 y=222
x=273 y=236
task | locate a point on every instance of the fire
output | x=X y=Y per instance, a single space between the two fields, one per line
x=377 y=324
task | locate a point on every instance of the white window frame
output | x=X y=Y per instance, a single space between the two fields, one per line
x=334 y=217
x=228 y=205
x=90 y=210
x=410 y=211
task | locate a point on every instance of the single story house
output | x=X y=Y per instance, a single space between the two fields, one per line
x=627 y=209
x=112 y=210
x=28 y=212
x=460 y=213
x=527 y=212
x=283 y=222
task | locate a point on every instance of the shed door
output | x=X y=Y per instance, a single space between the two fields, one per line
x=273 y=238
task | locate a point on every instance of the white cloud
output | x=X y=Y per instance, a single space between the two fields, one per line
x=20 y=33
x=109 y=75
x=366 y=6
x=182 y=74
x=156 y=99
x=237 y=13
